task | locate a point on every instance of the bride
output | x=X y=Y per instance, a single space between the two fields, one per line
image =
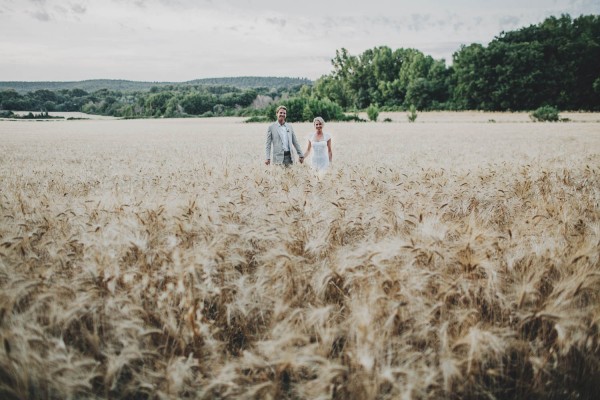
x=321 y=143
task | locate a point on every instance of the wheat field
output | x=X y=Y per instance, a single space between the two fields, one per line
x=450 y=258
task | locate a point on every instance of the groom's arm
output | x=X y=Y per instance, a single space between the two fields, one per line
x=268 y=142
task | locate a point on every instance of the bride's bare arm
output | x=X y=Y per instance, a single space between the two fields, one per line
x=307 y=150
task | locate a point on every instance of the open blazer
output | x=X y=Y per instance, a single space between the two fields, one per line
x=274 y=139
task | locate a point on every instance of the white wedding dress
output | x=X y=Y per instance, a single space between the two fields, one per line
x=320 y=157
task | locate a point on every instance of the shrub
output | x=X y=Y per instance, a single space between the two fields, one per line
x=545 y=113
x=373 y=112
x=41 y=115
x=354 y=118
x=412 y=113
x=258 y=118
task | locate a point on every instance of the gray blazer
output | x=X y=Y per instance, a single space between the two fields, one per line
x=274 y=139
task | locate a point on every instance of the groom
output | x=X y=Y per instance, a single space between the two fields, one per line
x=282 y=137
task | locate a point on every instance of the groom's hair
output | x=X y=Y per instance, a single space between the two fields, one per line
x=280 y=108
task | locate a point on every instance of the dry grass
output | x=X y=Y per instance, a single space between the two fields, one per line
x=161 y=259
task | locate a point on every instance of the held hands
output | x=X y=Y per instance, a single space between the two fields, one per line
x=301 y=159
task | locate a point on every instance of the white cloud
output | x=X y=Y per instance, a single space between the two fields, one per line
x=40 y=15
x=78 y=8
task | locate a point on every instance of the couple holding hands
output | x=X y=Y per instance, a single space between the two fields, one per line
x=281 y=137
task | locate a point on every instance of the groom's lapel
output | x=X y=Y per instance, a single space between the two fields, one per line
x=276 y=134
x=289 y=135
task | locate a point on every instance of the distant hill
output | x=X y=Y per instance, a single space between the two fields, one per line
x=252 y=82
x=241 y=82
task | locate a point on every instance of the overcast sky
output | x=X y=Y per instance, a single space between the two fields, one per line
x=180 y=40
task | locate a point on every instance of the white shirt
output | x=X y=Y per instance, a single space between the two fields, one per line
x=282 y=129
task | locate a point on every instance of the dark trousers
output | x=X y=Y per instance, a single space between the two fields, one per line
x=287 y=158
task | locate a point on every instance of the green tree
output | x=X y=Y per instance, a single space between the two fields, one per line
x=517 y=70
x=172 y=109
x=156 y=104
x=472 y=75
x=247 y=97
x=198 y=103
x=43 y=96
x=324 y=108
x=11 y=100
x=418 y=93
x=306 y=109
x=335 y=89
x=218 y=109
x=78 y=92
x=126 y=112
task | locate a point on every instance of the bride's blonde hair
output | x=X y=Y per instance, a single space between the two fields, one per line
x=321 y=120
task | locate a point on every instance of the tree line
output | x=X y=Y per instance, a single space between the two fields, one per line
x=554 y=63
x=551 y=64
x=165 y=101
